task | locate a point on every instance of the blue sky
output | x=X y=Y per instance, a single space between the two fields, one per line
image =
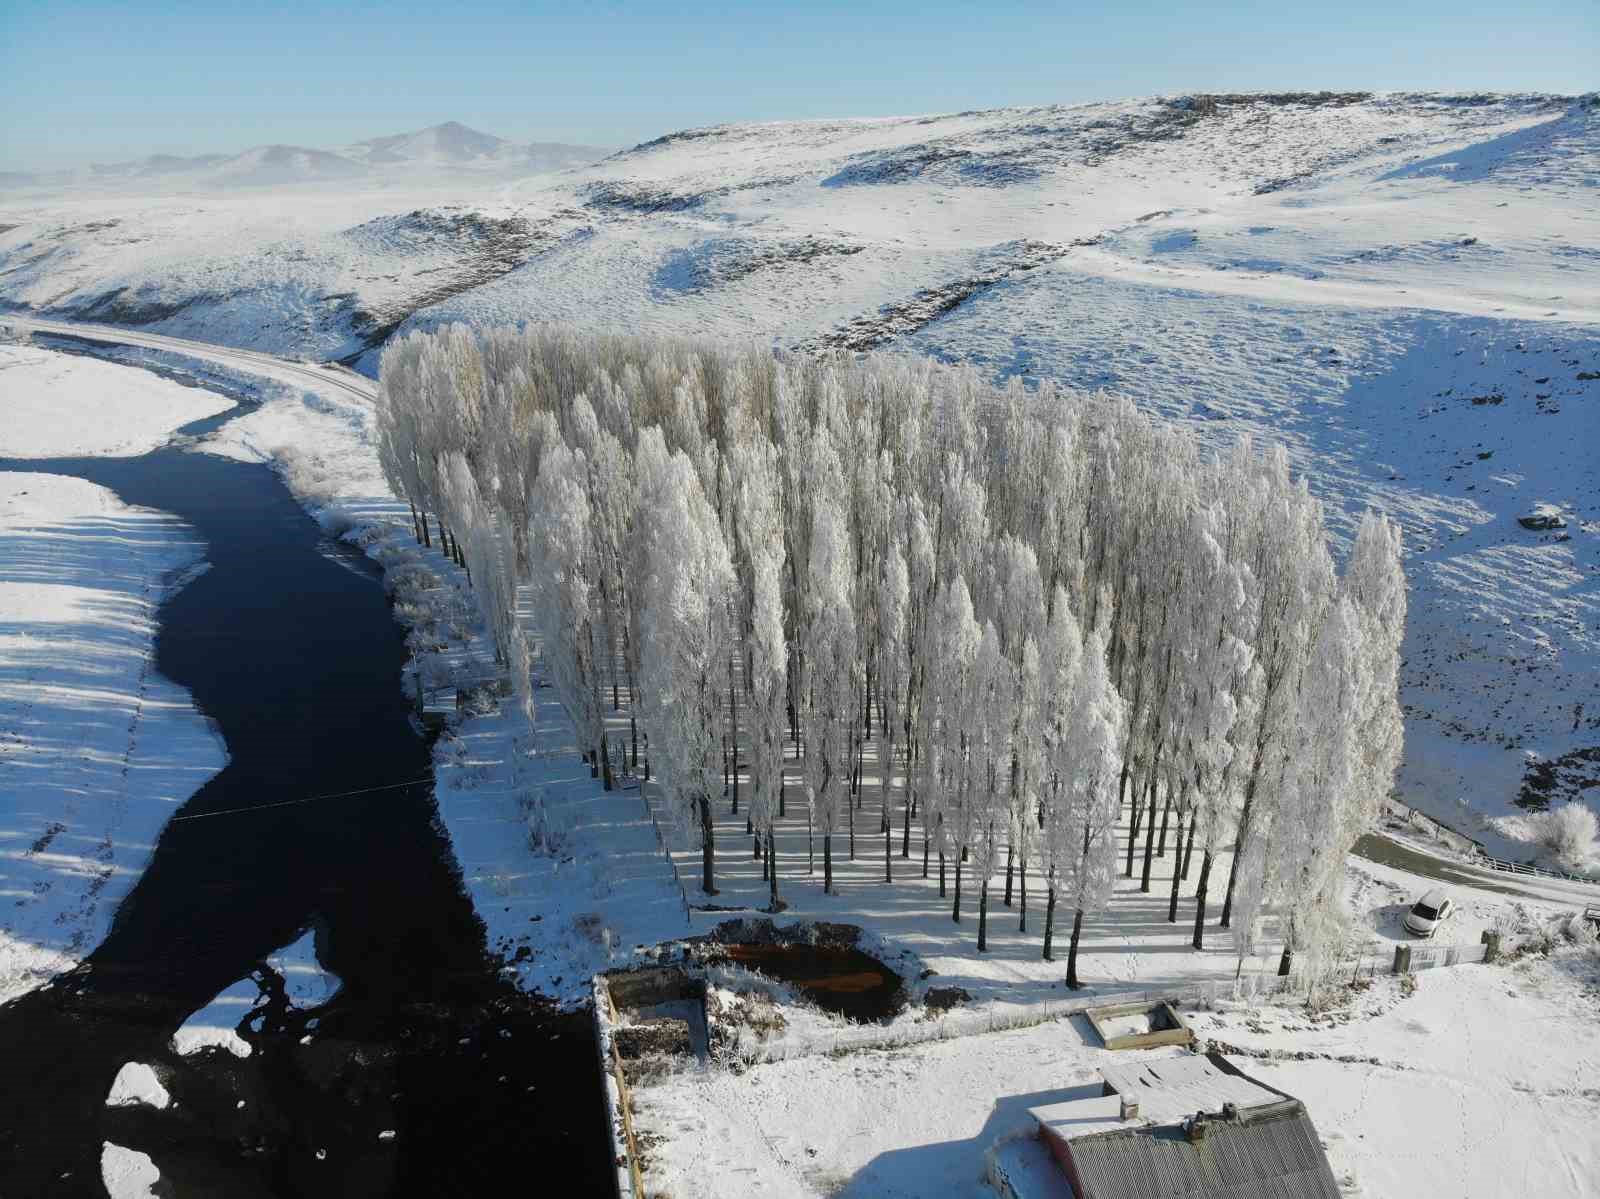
x=84 y=81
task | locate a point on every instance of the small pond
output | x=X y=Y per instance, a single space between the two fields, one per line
x=837 y=979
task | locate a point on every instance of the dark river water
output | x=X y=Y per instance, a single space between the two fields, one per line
x=288 y=643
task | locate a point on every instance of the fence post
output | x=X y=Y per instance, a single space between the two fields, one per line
x=1402 y=959
x=1491 y=944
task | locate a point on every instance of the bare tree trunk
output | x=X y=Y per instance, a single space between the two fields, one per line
x=416 y=529
x=983 y=917
x=850 y=803
x=1149 y=841
x=708 y=846
x=772 y=863
x=1010 y=850
x=1072 y=954
x=1166 y=814
x=1133 y=835
x=1188 y=849
x=733 y=707
x=1233 y=866
x=827 y=863
x=955 y=909
x=1049 y=919
x=1200 y=901
x=427 y=538
x=1022 y=871
x=905 y=837
x=866 y=704
x=1172 y=908
x=605 y=761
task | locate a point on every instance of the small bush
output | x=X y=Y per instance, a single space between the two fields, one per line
x=1570 y=834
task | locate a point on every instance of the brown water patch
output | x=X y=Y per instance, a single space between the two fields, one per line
x=845 y=981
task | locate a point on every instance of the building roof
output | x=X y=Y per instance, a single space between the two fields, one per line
x=1269 y=1152
x=1166 y=1089
x=1203 y=1131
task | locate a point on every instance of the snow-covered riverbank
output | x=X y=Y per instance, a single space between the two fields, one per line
x=97 y=748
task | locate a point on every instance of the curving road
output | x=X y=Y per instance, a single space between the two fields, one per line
x=288 y=370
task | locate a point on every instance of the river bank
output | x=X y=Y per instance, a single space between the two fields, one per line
x=287 y=644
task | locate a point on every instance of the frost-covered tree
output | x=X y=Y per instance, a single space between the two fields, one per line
x=1060 y=653
x=894 y=674
x=830 y=644
x=685 y=637
x=903 y=542
x=1286 y=547
x=1375 y=585
x=1088 y=811
x=989 y=729
x=560 y=545
x=1322 y=791
x=761 y=567
x=954 y=808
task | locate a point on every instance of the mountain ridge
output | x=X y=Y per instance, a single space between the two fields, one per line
x=447 y=146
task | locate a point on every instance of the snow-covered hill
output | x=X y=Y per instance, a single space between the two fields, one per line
x=446 y=150
x=453 y=145
x=1405 y=289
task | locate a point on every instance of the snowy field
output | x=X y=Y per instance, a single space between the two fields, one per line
x=1401 y=288
x=97 y=749
x=57 y=405
x=1480 y=1083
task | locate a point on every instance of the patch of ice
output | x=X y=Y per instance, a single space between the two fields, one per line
x=127 y=1173
x=137 y=1083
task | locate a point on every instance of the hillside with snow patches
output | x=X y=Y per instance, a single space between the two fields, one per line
x=1403 y=289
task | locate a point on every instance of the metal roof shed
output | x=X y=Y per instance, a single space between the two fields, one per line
x=1268 y=1152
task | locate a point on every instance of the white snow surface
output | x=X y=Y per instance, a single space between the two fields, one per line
x=97 y=748
x=307 y=984
x=128 y=1173
x=1482 y=1085
x=57 y=405
x=137 y=1083
x=1403 y=288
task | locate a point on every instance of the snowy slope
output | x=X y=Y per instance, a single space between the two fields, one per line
x=97 y=749
x=1403 y=288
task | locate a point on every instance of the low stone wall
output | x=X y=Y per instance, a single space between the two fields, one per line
x=618 y=1117
x=630 y=990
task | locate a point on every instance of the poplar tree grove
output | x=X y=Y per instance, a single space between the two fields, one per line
x=1051 y=610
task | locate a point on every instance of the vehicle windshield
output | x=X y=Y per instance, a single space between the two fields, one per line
x=1423 y=911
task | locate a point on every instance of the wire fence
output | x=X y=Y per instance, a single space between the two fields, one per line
x=1505 y=867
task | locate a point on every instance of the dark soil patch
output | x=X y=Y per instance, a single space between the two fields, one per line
x=1546 y=780
x=928 y=305
x=846 y=982
x=942 y=999
x=821 y=959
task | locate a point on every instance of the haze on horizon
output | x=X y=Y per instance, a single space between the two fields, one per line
x=86 y=81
